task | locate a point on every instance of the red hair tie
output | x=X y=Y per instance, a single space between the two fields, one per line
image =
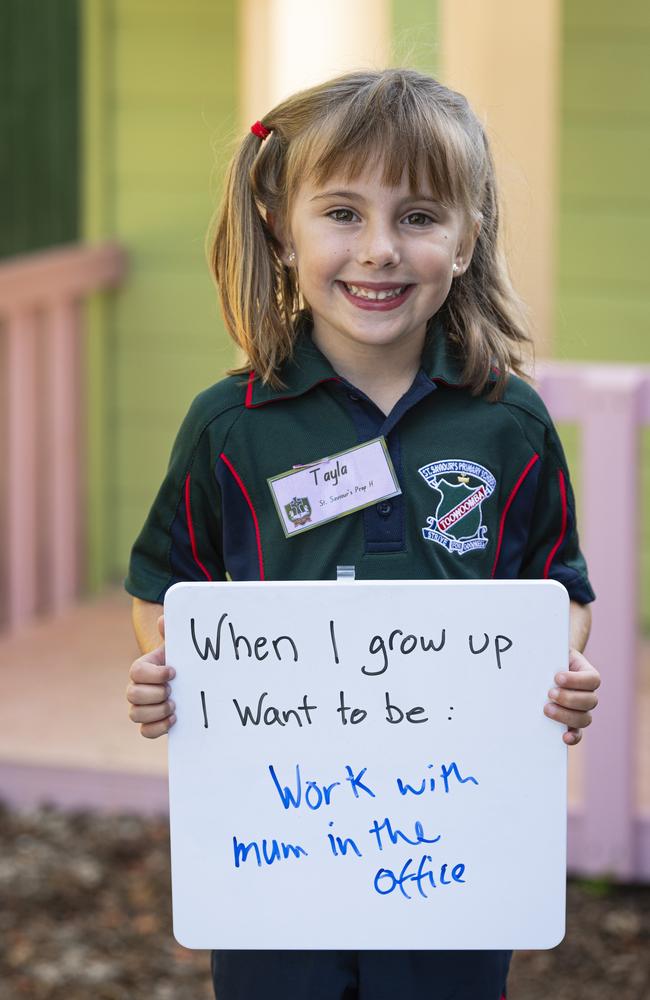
x=260 y=130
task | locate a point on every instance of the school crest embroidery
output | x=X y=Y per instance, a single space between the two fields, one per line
x=457 y=523
x=298 y=510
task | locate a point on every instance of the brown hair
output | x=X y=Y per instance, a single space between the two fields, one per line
x=333 y=128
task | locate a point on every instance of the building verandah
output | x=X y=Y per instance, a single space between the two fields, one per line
x=166 y=88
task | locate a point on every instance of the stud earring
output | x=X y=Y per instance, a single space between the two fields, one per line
x=455 y=268
x=291 y=257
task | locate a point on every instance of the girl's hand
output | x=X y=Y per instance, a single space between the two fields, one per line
x=573 y=698
x=148 y=693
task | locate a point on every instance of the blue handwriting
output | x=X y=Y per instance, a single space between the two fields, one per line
x=428 y=783
x=315 y=793
x=395 y=835
x=386 y=881
x=271 y=851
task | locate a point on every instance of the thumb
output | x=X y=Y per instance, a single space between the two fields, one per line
x=156 y=655
x=577 y=661
x=161 y=625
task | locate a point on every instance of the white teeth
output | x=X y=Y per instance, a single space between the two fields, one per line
x=366 y=293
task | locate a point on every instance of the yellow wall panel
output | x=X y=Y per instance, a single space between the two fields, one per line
x=605 y=248
x=598 y=15
x=593 y=324
x=604 y=164
x=607 y=74
x=595 y=152
x=169 y=306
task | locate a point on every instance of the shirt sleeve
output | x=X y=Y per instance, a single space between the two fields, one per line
x=182 y=538
x=553 y=548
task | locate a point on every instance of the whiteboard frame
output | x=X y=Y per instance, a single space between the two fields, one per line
x=311 y=916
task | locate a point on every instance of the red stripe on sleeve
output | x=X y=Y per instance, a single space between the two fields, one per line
x=513 y=494
x=547 y=566
x=252 y=510
x=190 y=528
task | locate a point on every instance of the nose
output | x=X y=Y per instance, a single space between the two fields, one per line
x=378 y=246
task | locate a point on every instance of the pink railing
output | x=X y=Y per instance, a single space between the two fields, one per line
x=609 y=833
x=40 y=507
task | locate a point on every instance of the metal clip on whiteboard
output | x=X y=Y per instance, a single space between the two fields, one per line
x=345 y=573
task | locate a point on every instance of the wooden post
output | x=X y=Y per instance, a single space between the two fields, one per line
x=21 y=465
x=290 y=44
x=504 y=56
x=611 y=404
x=63 y=458
x=43 y=440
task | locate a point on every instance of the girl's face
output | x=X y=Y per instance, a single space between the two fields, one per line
x=374 y=263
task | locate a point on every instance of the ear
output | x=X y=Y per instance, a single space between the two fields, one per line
x=465 y=248
x=280 y=239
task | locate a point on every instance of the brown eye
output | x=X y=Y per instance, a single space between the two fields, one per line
x=341 y=214
x=419 y=219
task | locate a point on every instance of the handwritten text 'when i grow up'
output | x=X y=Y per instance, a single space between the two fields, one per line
x=226 y=643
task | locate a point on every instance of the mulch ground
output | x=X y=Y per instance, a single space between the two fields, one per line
x=85 y=913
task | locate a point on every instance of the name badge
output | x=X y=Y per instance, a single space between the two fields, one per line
x=333 y=487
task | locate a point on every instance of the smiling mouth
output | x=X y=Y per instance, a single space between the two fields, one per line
x=381 y=298
x=370 y=295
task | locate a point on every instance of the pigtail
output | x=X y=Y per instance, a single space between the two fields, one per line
x=258 y=294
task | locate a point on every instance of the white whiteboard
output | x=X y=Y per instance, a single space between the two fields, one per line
x=444 y=830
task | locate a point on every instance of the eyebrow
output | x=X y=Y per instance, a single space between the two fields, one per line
x=358 y=197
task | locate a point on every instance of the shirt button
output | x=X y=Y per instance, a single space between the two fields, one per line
x=384 y=508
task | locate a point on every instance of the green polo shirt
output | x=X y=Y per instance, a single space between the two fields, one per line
x=485 y=486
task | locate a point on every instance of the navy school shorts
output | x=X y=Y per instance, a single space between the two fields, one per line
x=360 y=975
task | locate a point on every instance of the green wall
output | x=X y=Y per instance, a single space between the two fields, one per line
x=161 y=92
x=39 y=124
x=415 y=34
x=603 y=305
x=603 y=293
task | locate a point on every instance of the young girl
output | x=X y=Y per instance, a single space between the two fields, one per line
x=357 y=258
